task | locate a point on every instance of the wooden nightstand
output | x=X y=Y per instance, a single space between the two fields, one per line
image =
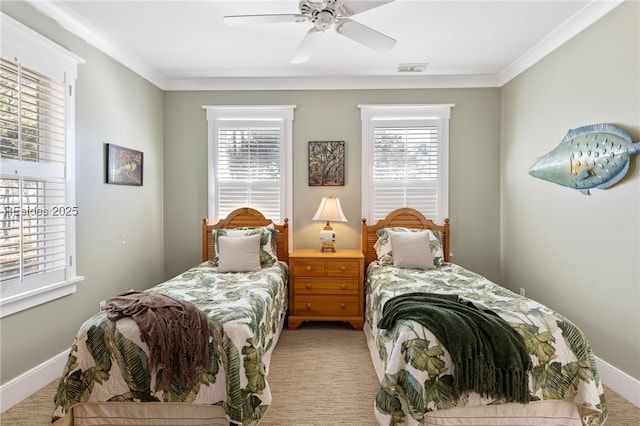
x=326 y=287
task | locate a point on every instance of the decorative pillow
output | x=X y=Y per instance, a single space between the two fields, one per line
x=239 y=254
x=411 y=250
x=383 y=245
x=268 y=237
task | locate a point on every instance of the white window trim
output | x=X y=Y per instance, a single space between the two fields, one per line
x=43 y=55
x=282 y=113
x=370 y=114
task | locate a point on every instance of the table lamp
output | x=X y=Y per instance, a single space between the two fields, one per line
x=329 y=210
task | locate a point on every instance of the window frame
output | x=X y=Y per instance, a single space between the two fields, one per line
x=37 y=53
x=377 y=115
x=260 y=115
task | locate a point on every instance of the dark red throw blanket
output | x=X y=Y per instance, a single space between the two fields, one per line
x=176 y=331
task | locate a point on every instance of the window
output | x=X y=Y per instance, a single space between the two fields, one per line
x=37 y=188
x=405 y=159
x=250 y=160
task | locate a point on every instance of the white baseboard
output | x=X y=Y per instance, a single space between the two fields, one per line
x=23 y=386
x=619 y=381
x=31 y=381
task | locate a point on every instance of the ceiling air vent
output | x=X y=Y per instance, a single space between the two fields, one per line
x=412 y=67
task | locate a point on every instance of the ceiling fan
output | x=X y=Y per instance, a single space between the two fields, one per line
x=323 y=14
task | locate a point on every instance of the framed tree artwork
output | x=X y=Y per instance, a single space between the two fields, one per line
x=326 y=163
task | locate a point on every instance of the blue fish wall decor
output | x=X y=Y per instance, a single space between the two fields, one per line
x=595 y=156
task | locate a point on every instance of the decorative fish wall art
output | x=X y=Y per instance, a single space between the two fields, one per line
x=594 y=156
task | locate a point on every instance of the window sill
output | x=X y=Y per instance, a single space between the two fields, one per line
x=20 y=302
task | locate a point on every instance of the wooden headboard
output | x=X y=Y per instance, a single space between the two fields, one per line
x=406 y=217
x=239 y=218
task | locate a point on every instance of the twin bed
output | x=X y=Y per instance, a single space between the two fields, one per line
x=416 y=370
x=108 y=367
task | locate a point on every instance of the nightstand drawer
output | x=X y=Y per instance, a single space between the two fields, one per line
x=305 y=285
x=309 y=268
x=343 y=268
x=326 y=305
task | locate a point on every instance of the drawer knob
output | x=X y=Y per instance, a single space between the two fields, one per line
x=308 y=305
x=308 y=285
x=308 y=268
x=343 y=268
x=343 y=305
x=343 y=286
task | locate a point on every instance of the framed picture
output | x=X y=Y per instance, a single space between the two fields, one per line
x=124 y=165
x=326 y=163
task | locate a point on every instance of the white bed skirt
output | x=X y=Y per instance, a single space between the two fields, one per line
x=144 y=414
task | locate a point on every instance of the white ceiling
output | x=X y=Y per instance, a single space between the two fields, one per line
x=184 y=45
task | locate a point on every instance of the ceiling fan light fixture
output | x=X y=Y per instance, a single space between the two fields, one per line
x=323 y=19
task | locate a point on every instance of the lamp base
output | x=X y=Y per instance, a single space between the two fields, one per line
x=328 y=247
x=327 y=240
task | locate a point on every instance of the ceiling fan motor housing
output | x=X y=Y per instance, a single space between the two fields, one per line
x=321 y=13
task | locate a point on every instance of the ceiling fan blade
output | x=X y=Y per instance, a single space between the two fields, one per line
x=364 y=35
x=262 y=19
x=307 y=45
x=353 y=7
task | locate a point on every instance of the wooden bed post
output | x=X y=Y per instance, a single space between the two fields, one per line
x=205 y=222
x=446 y=240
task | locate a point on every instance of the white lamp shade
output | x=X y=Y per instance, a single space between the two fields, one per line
x=330 y=210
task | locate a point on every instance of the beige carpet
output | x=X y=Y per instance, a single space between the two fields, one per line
x=321 y=375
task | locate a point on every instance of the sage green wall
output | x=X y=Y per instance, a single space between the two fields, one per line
x=113 y=105
x=577 y=254
x=334 y=115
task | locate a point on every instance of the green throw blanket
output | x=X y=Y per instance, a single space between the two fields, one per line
x=489 y=356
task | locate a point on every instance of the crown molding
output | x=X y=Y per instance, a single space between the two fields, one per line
x=330 y=83
x=589 y=14
x=74 y=24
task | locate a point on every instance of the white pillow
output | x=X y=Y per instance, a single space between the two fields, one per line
x=383 y=244
x=268 y=249
x=411 y=250
x=239 y=254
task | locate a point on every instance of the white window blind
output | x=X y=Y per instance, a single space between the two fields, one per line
x=250 y=159
x=405 y=169
x=405 y=160
x=34 y=240
x=37 y=188
x=32 y=117
x=249 y=168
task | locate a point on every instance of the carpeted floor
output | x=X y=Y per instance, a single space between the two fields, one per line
x=321 y=375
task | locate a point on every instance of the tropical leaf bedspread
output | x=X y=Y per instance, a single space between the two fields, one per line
x=108 y=360
x=417 y=369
